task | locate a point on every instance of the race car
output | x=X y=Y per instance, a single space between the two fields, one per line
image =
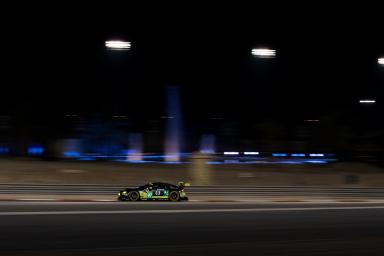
x=155 y=191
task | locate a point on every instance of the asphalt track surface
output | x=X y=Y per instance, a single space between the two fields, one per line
x=190 y=228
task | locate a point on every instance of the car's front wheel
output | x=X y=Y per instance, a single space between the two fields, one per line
x=174 y=196
x=134 y=196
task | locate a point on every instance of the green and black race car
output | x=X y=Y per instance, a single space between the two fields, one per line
x=155 y=191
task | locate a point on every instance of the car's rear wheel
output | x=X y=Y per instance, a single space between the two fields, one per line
x=134 y=196
x=174 y=196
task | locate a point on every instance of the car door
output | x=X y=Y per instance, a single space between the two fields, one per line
x=159 y=191
x=145 y=192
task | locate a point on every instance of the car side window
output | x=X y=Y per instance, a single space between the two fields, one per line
x=159 y=186
x=143 y=187
x=163 y=186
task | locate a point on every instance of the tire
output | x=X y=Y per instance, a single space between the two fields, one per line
x=134 y=196
x=174 y=196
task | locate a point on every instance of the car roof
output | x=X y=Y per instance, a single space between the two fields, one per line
x=162 y=183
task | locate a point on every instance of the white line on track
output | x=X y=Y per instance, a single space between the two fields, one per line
x=191 y=211
x=36 y=199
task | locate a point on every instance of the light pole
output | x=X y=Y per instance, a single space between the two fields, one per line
x=380 y=61
x=135 y=152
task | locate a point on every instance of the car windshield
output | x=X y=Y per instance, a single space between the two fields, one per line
x=143 y=187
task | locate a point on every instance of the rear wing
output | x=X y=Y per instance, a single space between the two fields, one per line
x=183 y=184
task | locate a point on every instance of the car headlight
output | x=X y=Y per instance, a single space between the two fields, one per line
x=124 y=192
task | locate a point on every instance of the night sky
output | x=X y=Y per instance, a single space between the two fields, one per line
x=55 y=62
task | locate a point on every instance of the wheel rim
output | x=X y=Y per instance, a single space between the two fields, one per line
x=134 y=196
x=173 y=196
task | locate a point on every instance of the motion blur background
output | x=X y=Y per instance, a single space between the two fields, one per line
x=285 y=152
x=65 y=95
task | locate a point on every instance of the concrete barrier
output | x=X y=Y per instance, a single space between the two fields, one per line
x=45 y=172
